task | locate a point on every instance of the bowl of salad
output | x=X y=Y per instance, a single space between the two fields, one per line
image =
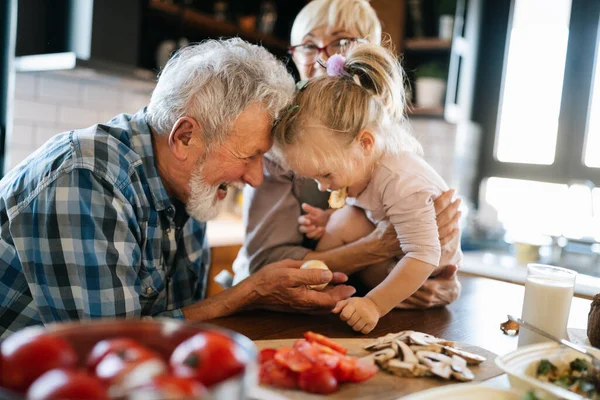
x=551 y=371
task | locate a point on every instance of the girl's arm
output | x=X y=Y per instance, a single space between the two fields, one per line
x=404 y=279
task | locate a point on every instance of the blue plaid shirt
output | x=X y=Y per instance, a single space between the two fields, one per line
x=88 y=231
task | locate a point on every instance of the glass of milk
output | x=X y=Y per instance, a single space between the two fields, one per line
x=547 y=302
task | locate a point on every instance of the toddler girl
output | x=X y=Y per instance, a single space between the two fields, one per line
x=347 y=131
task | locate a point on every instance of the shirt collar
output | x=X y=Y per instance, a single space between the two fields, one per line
x=141 y=144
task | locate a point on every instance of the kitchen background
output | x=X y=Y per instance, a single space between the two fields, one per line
x=503 y=98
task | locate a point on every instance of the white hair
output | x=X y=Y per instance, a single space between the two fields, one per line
x=214 y=82
x=344 y=14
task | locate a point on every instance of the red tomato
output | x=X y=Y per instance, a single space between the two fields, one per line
x=345 y=369
x=272 y=373
x=363 y=371
x=325 y=341
x=318 y=379
x=208 y=357
x=105 y=347
x=266 y=355
x=292 y=359
x=169 y=387
x=114 y=366
x=61 y=384
x=28 y=354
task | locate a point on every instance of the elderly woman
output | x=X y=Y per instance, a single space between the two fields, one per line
x=272 y=211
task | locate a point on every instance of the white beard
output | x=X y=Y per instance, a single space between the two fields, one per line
x=203 y=204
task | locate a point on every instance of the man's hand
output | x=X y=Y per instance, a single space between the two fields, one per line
x=435 y=292
x=283 y=286
x=383 y=241
x=313 y=223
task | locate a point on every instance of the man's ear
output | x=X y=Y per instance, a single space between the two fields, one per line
x=185 y=137
x=366 y=139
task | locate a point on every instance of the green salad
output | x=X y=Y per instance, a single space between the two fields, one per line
x=580 y=377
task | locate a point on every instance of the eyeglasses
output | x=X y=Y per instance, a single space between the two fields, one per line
x=307 y=54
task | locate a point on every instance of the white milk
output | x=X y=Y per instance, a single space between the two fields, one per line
x=546 y=305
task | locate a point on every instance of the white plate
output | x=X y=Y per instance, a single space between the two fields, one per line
x=464 y=391
x=521 y=365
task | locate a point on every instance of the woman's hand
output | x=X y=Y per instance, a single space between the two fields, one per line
x=447 y=216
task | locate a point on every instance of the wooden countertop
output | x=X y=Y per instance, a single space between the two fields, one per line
x=473 y=319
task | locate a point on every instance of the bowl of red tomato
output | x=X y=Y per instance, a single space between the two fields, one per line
x=127 y=359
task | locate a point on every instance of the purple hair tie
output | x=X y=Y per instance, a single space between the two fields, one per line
x=335 y=65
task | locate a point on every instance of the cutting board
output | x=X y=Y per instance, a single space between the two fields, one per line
x=383 y=385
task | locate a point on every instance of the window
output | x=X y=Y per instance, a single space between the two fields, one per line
x=541 y=170
x=533 y=81
x=592 y=146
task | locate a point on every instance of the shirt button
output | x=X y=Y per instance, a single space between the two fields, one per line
x=149 y=290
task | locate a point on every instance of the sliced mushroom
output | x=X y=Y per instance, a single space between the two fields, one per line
x=380 y=356
x=436 y=348
x=439 y=364
x=464 y=376
x=404 y=336
x=402 y=368
x=405 y=353
x=384 y=341
x=471 y=358
x=459 y=364
x=424 y=339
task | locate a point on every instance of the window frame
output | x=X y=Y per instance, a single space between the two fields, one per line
x=576 y=98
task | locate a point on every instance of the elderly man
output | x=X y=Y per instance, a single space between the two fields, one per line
x=97 y=222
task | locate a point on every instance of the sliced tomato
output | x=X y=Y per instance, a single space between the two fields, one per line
x=318 y=379
x=325 y=341
x=363 y=371
x=272 y=373
x=293 y=359
x=344 y=370
x=266 y=355
x=325 y=349
x=328 y=360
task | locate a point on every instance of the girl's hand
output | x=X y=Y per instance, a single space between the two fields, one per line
x=361 y=313
x=313 y=223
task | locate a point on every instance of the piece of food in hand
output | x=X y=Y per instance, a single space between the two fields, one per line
x=337 y=198
x=315 y=264
x=510 y=328
x=60 y=384
x=28 y=354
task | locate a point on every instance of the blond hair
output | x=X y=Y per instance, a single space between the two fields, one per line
x=369 y=94
x=344 y=14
